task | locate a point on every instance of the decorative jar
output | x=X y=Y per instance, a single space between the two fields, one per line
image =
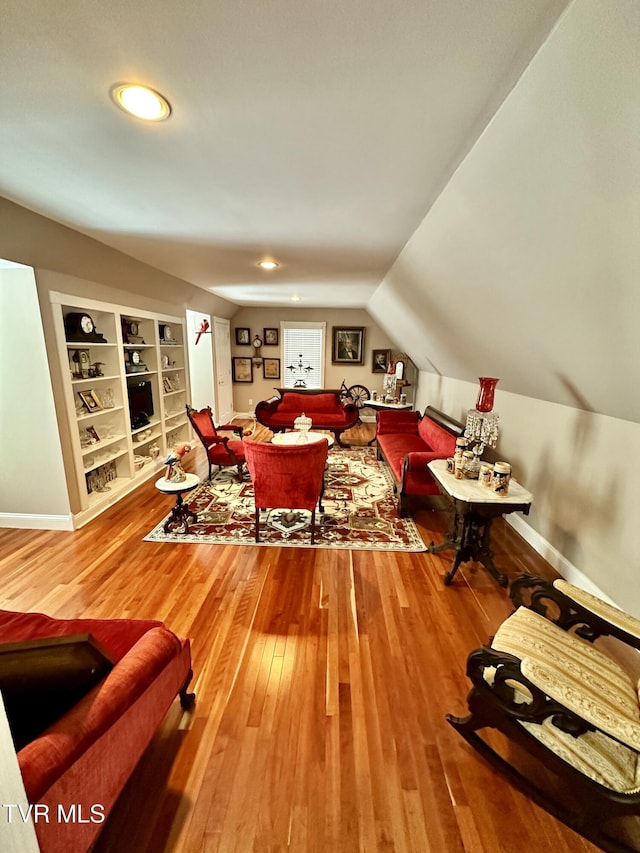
x=302 y=424
x=500 y=478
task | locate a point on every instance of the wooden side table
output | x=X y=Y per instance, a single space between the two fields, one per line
x=181 y=516
x=474 y=508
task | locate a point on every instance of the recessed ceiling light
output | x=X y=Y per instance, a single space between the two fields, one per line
x=141 y=102
x=268 y=264
x=295 y=298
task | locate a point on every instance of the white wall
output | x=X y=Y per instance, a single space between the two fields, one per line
x=527 y=268
x=201 y=377
x=583 y=471
x=33 y=489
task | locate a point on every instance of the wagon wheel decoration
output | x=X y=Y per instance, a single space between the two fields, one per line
x=359 y=394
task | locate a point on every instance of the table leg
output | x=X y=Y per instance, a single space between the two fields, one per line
x=469 y=536
x=180 y=517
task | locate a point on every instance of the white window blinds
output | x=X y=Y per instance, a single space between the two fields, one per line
x=303 y=355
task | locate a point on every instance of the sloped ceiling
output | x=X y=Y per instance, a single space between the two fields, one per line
x=527 y=267
x=316 y=132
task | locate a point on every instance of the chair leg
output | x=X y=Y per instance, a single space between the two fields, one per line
x=313 y=525
x=257 y=524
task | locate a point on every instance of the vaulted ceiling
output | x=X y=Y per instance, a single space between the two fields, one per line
x=318 y=133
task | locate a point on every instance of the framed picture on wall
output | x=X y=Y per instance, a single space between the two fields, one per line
x=243 y=336
x=381 y=359
x=347 y=344
x=241 y=369
x=271 y=368
x=270 y=337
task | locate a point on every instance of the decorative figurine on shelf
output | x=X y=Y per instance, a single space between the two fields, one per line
x=175 y=473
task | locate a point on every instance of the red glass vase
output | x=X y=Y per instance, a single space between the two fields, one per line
x=484 y=403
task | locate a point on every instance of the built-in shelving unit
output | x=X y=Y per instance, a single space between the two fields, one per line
x=125 y=384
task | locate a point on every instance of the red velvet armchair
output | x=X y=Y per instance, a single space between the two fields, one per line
x=289 y=476
x=221 y=450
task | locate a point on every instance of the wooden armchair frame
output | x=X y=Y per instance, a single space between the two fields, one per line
x=221 y=450
x=496 y=701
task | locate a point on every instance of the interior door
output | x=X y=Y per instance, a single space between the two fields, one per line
x=222 y=363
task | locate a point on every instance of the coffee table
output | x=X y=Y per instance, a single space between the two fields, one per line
x=288 y=438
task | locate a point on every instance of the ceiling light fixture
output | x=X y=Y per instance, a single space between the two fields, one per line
x=295 y=298
x=141 y=102
x=268 y=265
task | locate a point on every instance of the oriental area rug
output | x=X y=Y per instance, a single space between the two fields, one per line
x=359 y=511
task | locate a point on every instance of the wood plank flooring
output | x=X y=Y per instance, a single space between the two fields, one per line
x=322 y=678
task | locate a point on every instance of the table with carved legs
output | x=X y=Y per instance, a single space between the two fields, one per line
x=181 y=516
x=474 y=508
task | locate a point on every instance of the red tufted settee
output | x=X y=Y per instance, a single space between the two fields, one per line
x=407 y=442
x=84 y=759
x=325 y=408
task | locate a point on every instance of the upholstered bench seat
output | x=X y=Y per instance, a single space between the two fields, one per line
x=586 y=681
x=326 y=408
x=558 y=681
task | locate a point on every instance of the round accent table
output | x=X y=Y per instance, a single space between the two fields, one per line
x=181 y=516
x=289 y=438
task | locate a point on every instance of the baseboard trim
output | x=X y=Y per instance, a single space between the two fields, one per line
x=556 y=560
x=36 y=522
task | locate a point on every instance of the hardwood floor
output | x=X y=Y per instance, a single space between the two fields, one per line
x=322 y=679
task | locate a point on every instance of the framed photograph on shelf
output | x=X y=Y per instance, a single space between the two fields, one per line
x=270 y=337
x=271 y=368
x=93 y=433
x=381 y=359
x=167 y=385
x=241 y=369
x=347 y=344
x=243 y=336
x=90 y=400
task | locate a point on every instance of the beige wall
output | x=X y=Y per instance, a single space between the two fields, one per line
x=33 y=489
x=526 y=268
x=71 y=263
x=258 y=319
x=95 y=270
x=583 y=471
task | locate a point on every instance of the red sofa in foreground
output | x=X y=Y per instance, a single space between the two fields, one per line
x=325 y=408
x=85 y=758
x=407 y=441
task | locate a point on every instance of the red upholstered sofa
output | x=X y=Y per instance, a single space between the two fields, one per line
x=407 y=441
x=324 y=407
x=85 y=758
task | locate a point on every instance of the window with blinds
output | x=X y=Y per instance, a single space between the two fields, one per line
x=303 y=355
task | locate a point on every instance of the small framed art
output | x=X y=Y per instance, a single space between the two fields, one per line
x=90 y=400
x=381 y=359
x=347 y=345
x=270 y=337
x=167 y=385
x=241 y=369
x=243 y=336
x=271 y=368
